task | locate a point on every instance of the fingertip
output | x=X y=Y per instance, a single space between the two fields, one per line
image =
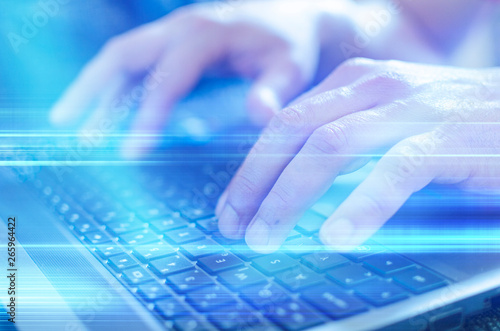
x=260 y=239
x=229 y=223
x=338 y=234
x=58 y=116
x=221 y=203
x=263 y=103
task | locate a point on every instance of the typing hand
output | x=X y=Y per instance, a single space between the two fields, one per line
x=159 y=63
x=434 y=124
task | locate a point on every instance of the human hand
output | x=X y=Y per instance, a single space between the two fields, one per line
x=169 y=56
x=435 y=124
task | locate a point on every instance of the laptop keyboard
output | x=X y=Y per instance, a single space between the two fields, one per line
x=157 y=234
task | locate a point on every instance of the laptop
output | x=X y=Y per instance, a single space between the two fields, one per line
x=104 y=244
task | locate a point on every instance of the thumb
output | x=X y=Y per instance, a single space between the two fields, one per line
x=276 y=85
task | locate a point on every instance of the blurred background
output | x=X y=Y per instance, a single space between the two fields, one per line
x=44 y=44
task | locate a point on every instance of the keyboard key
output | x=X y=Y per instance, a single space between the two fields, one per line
x=299 y=278
x=273 y=263
x=152 y=292
x=172 y=222
x=333 y=301
x=242 y=277
x=350 y=275
x=180 y=200
x=139 y=238
x=226 y=241
x=170 y=265
x=189 y=323
x=310 y=223
x=201 y=248
x=139 y=201
x=379 y=292
x=185 y=235
x=55 y=200
x=293 y=235
x=293 y=315
x=84 y=196
x=83 y=225
x=150 y=252
x=153 y=211
x=361 y=252
x=234 y=318
x=189 y=280
x=100 y=206
x=419 y=280
x=63 y=208
x=121 y=227
x=95 y=205
x=264 y=295
x=106 y=251
x=96 y=237
x=387 y=263
x=245 y=252
x=209 y=225
x=137 y=275
x=219 y=262
x=210 y=298
x=122 y=215
x=121 y=261
x=322 y=261
x=300 y=246
x=72 y=217
x=171 y=308
x=194 y=214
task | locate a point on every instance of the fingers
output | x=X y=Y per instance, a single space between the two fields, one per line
x=328 y=151
x=280 y=141
x=277 y=84
x=129 y=53
x=176 y=74
x=346 y=73
x=103 y=117
x=405 y=169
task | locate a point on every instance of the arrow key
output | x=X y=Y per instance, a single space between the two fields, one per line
x=387 y=263
x=350 y=275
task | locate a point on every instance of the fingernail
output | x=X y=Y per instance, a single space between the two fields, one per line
x=269 y=98
x=228 y=221
x=221 y=203
x=338 y=234
x=257 y=236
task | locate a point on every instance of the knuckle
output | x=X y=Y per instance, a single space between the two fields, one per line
x=276 y=203
x=290 y=120
x=280 y=198
x=193 y=18
x=243 y=188
x=358 y=62
x=408 y=160
x=387 y=80
x=357 y=65
x=329 y=139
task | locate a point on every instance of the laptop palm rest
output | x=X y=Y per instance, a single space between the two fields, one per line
x=97 y=298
